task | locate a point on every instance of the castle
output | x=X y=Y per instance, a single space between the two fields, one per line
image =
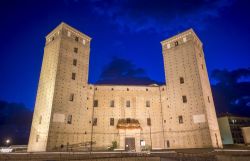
x=71 y=114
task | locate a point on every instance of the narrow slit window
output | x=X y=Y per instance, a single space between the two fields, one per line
x=71 y=98
x=95 y=122
x=112 y=103
x=148 y=121
x=95 y=103
x=181 y=80
x=75 y=50
x=147 y=103
x=73 y=76
x=184 y=99
x=180 y=120
x=112 y=122
x=127 y=103
x=69 y=121
x=74 y=62
x=176 y=43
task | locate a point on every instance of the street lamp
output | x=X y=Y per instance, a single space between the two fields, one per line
x=7 y=141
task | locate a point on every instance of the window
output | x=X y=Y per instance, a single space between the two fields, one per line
x=71 y=97
x=37 y=138
x=74 y=62
x=127 y=103
x=128 y=120
x=164 y=121
x=112 y=103
x=40 y=119
x=69 y=34
x=146 y=89
x=147 y=103
x=112 y=121
x=95 y=103
x=69 y=119
x=75 y=50
x=148 y=121
x=180 y=120
x=181 y=80
x=94 y=121
x=184 y=99
x=76 y=39
x=168 y=144
x=53 y=38
x=202 y=67
x=127 y=89
x=73 y=76
x=176 y=43
x=208 y=99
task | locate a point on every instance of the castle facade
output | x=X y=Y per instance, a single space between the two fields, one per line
x=71 y=114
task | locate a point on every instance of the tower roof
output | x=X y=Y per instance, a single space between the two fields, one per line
x=181 y=35
x=64 y=25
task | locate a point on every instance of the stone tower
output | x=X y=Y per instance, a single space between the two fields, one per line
x=189 y=108
x=61 y=89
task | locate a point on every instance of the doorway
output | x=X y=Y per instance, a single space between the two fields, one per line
x=129 y=144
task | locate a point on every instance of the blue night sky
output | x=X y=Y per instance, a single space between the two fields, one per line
x=129 y=29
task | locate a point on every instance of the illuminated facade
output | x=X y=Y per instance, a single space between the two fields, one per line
x=71 y=114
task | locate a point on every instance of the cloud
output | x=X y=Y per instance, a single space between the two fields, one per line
x=122 y=71
x=230 y=94
x=159 y=15
x=15 y=122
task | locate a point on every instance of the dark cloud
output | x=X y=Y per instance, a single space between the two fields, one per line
x=230 y=94
x=15 y=122
x=159 y=15
x=122 y=71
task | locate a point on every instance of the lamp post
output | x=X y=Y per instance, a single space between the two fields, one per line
x=7 y=142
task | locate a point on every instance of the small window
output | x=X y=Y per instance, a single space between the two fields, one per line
x=148 y=121
x=164 y=121
x=146 y=89
x=75 y=50
x=176 y=43
x=168 y=144
x=184 y=99
x=127 y=103
x=180 y=120
x=128 y=120
x=40 y=119
x=202 y=66
x=69 y=120
x=112 y=121
x=37 y=138
x=127 y=89
x=76 y=39
x=73 y=76
x=74 y=62
x=112 y=103
x=181 y=80
x=94 y=121
x=208 y=99
x=69 y=34
x=71 y=97
x=147 y=103
x=95 y=103
x=53 y=38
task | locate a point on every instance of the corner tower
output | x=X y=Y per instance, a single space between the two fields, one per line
x=60 y=95
x=189 y=111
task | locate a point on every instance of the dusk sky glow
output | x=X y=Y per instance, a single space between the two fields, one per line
x=128 y=29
